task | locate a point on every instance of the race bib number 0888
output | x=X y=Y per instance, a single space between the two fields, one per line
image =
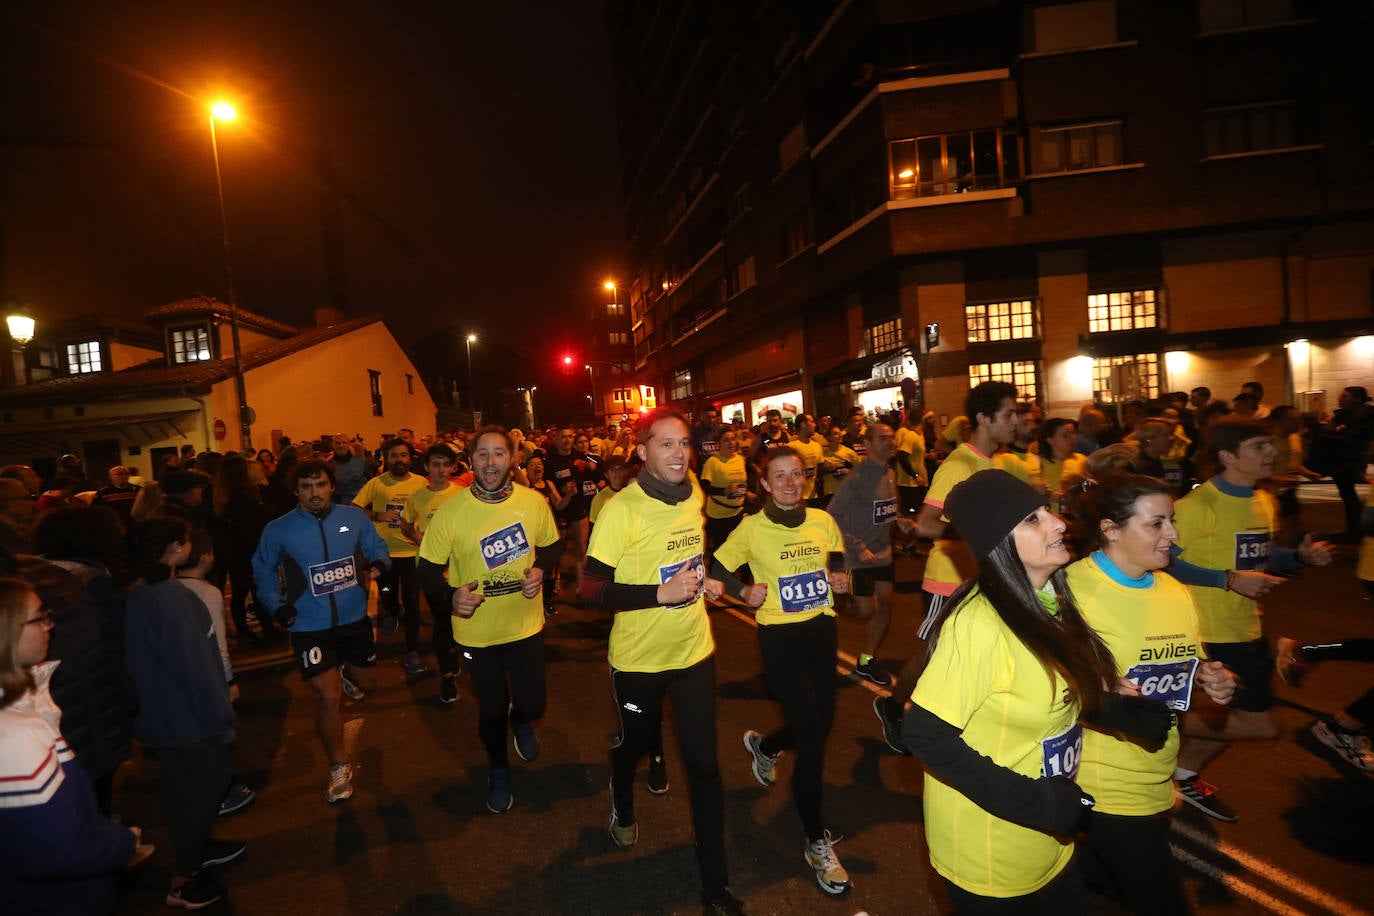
x=332 y=576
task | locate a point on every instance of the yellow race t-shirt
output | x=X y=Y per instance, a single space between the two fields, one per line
x=831 y=478
x=982 y=680
x=492 y=544
x=949 y=562
x=1217 y=530
x=646 y=541
x=384 y=493
x=1024 y=466
x=1364 y=566
x=1152 y=633
x=791 y=561
x=723 y=475
x=424 y=502
x=914 y=444
x=599 y=501
x=1054 y=473
x=812 y=453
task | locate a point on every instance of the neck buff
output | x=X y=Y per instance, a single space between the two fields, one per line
x=492 y=496
x=663 y=491
x=788 y=518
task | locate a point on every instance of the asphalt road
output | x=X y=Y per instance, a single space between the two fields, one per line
x=416 y=838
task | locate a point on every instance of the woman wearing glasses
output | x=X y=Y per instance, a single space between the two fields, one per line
x=57 y=854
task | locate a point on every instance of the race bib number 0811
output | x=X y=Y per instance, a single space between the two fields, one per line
x=332 y=576
x=504 y=546
x=807 y=591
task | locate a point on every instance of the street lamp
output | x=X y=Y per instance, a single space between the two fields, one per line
x=21 y=327
x=591 y=378
x=471 y=339
x=223 y=111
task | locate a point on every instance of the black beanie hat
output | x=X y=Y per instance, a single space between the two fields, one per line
x=987 y=506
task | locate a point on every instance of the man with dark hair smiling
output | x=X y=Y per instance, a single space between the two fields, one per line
x=384 y=498
x=645 y=564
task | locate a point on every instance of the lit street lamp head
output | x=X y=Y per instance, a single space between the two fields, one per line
x=608 y=285
x=472 y=338
x=223 y=111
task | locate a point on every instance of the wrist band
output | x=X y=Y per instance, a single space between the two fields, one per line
x=1230 y=579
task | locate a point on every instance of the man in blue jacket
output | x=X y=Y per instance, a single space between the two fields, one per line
x=312 y=569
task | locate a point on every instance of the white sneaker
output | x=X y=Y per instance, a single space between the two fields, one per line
x=761 y=763
x=830 y=874
x=350 y=689
x=340 y=783
x=1353 y=747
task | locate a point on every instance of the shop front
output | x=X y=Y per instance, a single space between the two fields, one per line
x=749 y=404
x=874 y=382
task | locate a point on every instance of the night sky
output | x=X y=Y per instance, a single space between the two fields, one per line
x=472 y=148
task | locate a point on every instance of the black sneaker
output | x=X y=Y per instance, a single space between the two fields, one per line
x=236 y=799
x=892 y=727
x=1202 y=795
x=198 y=893
x=722 y=904
x=222 y=852
x=448 y=689
x=874 y=672
x=658 y=775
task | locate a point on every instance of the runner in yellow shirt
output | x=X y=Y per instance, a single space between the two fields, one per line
x=646 y=564
x=837 y=460
x=725 y=481
x=415 y=518
x=383 y=498
x=1146 y=618
x=492 y=539
x=1059 y=462
x=811 y=448
x=796 y=557
x=994 y=716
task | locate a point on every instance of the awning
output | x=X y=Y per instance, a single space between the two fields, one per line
x=51 y=434
x=792 y=376
x=882 y=370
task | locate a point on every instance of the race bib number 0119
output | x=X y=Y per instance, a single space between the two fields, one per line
x=695 y=561
x=808 y=591
x=1252 y=549
x=504 y=546
x=332 y=576
x=1063 y=752
x=1171 y=683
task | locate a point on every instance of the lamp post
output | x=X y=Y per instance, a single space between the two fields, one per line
x=472 y=401
x=591 y=378
x=223 y=111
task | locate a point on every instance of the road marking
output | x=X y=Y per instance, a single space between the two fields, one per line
x=845 y=657
x=1265 y=870
x=1269 y=902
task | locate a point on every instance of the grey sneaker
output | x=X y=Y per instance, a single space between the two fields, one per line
x=1353 y=747
x=762 y=764
x=624 y=835
x=350 y=689
x=830 y=874
x=340 y=783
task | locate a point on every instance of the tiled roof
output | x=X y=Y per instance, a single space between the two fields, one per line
x=210 y=307
x=157 y=376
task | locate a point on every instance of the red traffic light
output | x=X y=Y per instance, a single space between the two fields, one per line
x=567 y=360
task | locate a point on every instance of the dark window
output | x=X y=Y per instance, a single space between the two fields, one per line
x=1250 y=128
x=1073 y=147
x=375 y=381
x=797 y=234
x=410 y=383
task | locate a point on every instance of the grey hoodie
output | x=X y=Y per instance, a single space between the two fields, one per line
x=865 y=506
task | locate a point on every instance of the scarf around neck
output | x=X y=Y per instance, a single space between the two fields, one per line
x=663 y=491
x=788 y=518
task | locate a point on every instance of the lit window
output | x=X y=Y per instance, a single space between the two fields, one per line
x=1074 y=147
x=682 y=384
x=884 y=336
x=83 y=357
x=617 y=337
x=190 y=345
x=1024 y=374
x=1250 y=128
x=615 y=309
x=978 y=160
x=1127 y=378
x=1123 y=311
x=990 y=321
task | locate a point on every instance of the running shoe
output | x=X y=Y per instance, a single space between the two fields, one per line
x=1288 y=659
x=722 y=904
x=236 y=799
x=1353 y=747
x=222 y=852
x=198 y=893
x=892 y=727
x=448 y=689
x=340 y=783
x=1202 y=795
x=761 y=763
x=350 y=689
x=499 y=798
x=413 y=664
x=658 y=775
x=830 y=874
x=389 y=624
x=874 y=672
x=625 y=835
x=525 y=740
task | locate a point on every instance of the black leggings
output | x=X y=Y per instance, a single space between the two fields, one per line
x=1128 y=857
x=799 y=661
x=192 y=782
x=692 y=691
x=1061 y=896
x=445 y=649
x=509 y=682
x=400 y=584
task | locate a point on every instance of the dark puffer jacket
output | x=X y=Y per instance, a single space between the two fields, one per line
x=91 y=686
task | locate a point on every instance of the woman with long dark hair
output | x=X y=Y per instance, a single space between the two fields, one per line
x=1148 y=621
x=995 y=716
x=184 y=713
x=240 y=517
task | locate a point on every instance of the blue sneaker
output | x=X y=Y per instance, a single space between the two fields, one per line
x=526 y=742
x=390 y=623
x=499 y=798
x=236 y=799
